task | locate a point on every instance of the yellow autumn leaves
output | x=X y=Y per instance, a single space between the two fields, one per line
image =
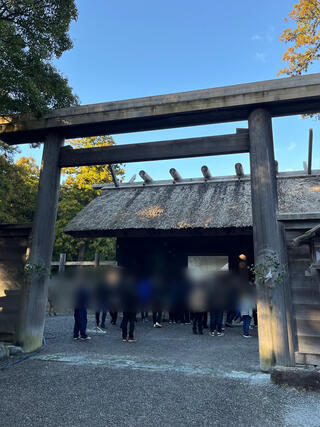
x=304 y=38
x=83 y=177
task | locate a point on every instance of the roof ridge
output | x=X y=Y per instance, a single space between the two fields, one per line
x=201 y=180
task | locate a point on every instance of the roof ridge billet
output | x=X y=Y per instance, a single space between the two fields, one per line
x=201 y=180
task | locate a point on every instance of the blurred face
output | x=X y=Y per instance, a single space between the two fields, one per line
x=113 y=277
x=242 y=265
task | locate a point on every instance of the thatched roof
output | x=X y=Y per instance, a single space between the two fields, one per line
x=219 y=204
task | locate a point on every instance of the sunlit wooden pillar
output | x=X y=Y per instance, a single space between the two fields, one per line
x=35 y=292
x=272 y=303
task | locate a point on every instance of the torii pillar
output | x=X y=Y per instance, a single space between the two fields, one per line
x=273 y=303
x=35 y=291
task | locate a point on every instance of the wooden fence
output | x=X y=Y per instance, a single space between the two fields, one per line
x=62 y=263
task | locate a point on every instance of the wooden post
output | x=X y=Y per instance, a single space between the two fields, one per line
x=310 y=151
x=96 y=259
x=35 y=292
x=62 y=262
x=81 y=254
x=272 y=304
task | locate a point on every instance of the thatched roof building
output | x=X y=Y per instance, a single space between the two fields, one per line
x=189 y=206
x=202 y=224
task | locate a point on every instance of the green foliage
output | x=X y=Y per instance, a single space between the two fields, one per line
x=8 y=151
x=18 y=193
x=270 y=271
x=32 y=33
x=36 y=269
x=76 y=192
x=72 y=200
x=18 y=189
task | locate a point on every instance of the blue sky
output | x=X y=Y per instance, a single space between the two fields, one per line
x=127 y=49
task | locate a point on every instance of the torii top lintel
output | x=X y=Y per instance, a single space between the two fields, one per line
x=281 y=97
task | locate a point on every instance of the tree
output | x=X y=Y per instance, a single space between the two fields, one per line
x=304 y=38
x=18 y=194
x=32 y=33
x=18 y=189
x=76 y=192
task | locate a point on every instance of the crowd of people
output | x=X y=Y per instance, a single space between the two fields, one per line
x=203 y=301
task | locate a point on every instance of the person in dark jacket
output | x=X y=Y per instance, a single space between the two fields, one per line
x=198 y=306
x=218 y=299
x=129 y=303
x=101 y=302
x=144 y=293
x=113 y=278
x=80 y=313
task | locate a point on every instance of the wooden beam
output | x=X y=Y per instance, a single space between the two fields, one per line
x=310 y=151
x=114 y=176
x=85 y=263
x=306 y=236
x=298 y=216
x=281 y=97
x=160 y=150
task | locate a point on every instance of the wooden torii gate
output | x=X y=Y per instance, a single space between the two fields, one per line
x=255 y=102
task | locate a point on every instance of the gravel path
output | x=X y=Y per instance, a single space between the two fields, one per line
x=169 y=377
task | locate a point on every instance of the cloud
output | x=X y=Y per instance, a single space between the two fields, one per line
x=256 y=37
x=261 y=57
x=292 y=146
x=270 y=34
x=267 y=36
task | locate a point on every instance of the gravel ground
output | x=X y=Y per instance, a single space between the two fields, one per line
x=168 y=377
